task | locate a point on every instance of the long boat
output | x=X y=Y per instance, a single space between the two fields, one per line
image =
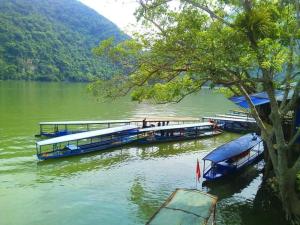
x=85 y=142
x=61 y=128
x=233 y=156
x=239 y=113
x=235 y=116
x=238 y=125
x=186 y=207
x=177 y=132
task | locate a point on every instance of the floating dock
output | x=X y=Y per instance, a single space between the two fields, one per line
x=186 y=207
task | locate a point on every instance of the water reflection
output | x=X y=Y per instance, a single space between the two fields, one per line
x=234 y=184
x=146 y=201
x=69 y=167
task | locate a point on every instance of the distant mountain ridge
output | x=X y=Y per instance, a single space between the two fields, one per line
x=51 y=40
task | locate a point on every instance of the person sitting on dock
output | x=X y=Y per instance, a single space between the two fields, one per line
x=144 y=123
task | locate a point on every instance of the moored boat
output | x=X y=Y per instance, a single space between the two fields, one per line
x=235 y=116
x=177 y=132
x=85 y=142
x=233 y=156
x=61 y=128
x=237 y=125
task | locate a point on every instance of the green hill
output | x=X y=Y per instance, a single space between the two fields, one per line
x=51 y=40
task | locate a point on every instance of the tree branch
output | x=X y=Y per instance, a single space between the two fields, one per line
x=293 y=100
x=296 y=166
x=145 y=8
x=294 y=139
x=209 y=11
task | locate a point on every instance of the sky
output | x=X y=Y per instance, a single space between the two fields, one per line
x=119 y=12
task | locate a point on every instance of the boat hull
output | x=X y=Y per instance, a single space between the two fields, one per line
x=85 y=149
x=239 y=127
x=161 y=139
x=221 y=171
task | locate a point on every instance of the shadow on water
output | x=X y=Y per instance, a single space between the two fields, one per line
x=165 y=150
x=146 y=201
x=264 y=209
x=68 y=167
x=242 y=199
x=235 y=183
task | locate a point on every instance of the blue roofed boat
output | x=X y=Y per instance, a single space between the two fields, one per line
x=177 y=132
x=85 y=142
x=260 y=98
x=233 y=156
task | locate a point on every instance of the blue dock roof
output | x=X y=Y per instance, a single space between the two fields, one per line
x=232 y=148
x=259 y=98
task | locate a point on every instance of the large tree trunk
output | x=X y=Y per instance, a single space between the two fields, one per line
x=288 y=196
x=286 y=181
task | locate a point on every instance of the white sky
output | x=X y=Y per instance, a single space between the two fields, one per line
x=119 y=12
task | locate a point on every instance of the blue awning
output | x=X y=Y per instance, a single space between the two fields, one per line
x=259 y=98
x=233 y=148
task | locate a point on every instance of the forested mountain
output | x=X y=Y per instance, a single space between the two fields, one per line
x=52 y=40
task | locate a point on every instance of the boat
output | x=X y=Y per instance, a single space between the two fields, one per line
x=85 y=142
x=239 y=113
x=233 y=156
x=235 y=116
x=61 y=128
x=237 y=125
x=186 y=207
x=177 y=132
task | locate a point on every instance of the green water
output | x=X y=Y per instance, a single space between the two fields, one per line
x=123 y=186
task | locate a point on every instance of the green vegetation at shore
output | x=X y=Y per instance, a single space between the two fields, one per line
x=51 y=40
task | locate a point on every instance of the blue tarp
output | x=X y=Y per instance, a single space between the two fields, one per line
x=258 y=98
x=232 y=148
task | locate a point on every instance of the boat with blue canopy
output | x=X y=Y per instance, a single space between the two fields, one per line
x=186 y=207
x=233 y=156
x=177 y=132
x=85 y=142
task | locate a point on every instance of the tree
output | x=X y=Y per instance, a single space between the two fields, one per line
x=245 y=46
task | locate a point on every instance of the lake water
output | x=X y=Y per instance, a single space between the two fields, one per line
x=123 y=186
